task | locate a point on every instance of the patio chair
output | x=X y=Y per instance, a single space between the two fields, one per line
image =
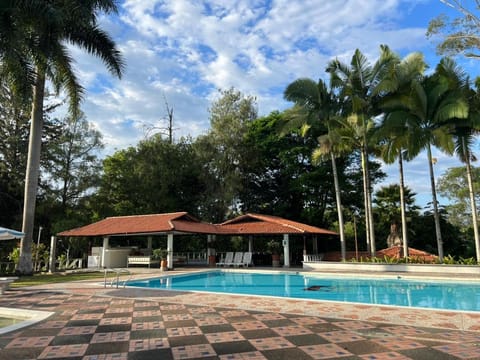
x=227 y=261
x=247 y=259
x=238 y=259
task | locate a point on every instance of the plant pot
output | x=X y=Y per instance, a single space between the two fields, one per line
x=275 y=260
x=163 y=265
x=212 y=260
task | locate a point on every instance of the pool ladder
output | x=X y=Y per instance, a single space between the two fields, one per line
x=116 y=279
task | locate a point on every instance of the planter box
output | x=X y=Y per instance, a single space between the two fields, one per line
x=402 y=268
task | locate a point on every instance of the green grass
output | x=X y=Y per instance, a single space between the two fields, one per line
x=42 y=279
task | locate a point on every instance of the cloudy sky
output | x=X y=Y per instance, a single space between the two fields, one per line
x=182 y=51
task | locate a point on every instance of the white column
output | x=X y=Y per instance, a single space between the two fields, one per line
x=104 y=251
x=286 y=251
x=170 y=251
x=53 y=254
x=250 y=243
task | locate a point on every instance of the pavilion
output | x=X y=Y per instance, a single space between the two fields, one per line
x=182 y=223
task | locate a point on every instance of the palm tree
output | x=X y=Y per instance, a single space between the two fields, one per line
x=43 y=51
x=427 y=112
x=321 y=105
x=464 y=131
x=357 y=84
x=396 y=140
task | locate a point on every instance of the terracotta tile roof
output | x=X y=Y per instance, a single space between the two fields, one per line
x=397 y=253
x=142 y=224
x=182 y=222
x=268 y=224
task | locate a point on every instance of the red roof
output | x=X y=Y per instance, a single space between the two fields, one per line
x=182 y=222
x=397 y=253
x=268 y=224
x=143 y=224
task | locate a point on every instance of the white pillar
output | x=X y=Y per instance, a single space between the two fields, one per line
x=53 y=254
x=104 y=251
x=250 y=244
x=170 y=251
x=286 y=251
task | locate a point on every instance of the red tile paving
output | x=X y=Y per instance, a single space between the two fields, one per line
x=92 y=323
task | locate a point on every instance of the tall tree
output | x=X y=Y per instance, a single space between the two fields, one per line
x=427 y=111
x=222 y=150
x=40 y=40
x=357 y=84
x=464 y=131
x=72 y=167
x=396 y=140
x=460 y=35
x=321 y=105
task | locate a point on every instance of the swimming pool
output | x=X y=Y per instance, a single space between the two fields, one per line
x=392 y=291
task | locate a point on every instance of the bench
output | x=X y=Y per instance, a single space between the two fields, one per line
x=5 y=283
x=141 y=260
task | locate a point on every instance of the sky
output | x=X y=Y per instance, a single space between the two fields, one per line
x=182 y=52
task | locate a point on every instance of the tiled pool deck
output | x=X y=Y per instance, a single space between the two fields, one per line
x=91 y=322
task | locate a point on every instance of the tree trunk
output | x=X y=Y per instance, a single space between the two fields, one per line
x=31 y=177
x=402 y=207
x=339 y=207
x=436 y=214
x=365 y=200
x=368 y=202
x=472 y=204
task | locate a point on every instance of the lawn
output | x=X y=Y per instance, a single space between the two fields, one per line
x=41 y=279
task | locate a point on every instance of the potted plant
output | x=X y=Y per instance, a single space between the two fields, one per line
x=275 y=247
x=161 y=254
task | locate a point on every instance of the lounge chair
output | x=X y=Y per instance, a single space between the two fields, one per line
x=227 y=261
x=238 y=259
x=247 y=259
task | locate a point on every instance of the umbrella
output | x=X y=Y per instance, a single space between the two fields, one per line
x=7 y=234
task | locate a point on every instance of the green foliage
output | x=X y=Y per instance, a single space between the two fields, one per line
x=153 y=177
x=14 y=255
x=459 y=35
x=274 y=246
x=159 y=254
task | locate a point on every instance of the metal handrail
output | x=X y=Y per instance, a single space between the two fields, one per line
x=117 y=272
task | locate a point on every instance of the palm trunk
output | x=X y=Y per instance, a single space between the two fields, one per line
x=339 y=207
x=472 y=204
x=436 y=214
x=368 y=204
x=365 y=200
x=31 y=177
x=402 y=207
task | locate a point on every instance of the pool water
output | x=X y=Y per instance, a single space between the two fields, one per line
x=393 y=291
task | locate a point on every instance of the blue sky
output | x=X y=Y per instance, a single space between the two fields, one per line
x=183 y=51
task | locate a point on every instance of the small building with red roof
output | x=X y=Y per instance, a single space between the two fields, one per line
x=181 y=223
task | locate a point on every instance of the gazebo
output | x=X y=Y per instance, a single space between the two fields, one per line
x=182 y=223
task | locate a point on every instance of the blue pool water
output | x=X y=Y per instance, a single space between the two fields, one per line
x=394 y=291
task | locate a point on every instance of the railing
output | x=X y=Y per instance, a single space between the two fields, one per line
x=313 y=258
x=191 y=258
x=117 y=272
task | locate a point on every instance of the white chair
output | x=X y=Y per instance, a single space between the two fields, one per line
x=228 y=259
x=238 y=259
x=247 y=259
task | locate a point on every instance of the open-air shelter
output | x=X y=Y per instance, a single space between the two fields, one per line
x=182 y=223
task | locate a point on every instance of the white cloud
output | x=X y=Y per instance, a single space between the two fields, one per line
x=182 y=51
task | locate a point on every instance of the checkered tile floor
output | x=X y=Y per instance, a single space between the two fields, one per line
x=92 y=327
